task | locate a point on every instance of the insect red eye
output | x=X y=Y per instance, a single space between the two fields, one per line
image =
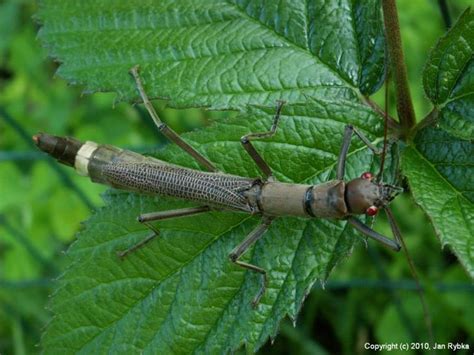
x=367 y=175
x=371 y=211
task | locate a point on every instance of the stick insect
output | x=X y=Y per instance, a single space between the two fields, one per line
x=216 y=190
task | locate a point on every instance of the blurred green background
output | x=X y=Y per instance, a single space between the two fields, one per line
x=369 y=298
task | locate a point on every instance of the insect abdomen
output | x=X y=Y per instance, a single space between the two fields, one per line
x=218 y=190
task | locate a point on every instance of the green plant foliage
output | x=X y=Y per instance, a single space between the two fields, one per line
x=180 y=293
x=8 y=20
x=227 y=54
x=183 y=283
x=449 y=78
x=438 y=164
x=221 y=54
x=440 y=168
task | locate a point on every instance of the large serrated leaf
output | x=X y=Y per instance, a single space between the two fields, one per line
x=448 y=78
x=181 y=293
x=440 y=171
x=219 y=53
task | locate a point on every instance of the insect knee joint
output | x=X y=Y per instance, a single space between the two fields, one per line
x=244 y=140
x=233 y=257
x=134 y=69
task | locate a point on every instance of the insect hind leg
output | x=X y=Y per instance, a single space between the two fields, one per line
x=146 y=218
x=163 y=127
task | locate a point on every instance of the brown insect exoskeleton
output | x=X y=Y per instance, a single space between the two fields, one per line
x=216 y=190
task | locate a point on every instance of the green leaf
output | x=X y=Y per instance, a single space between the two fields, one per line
x=448 y=78
x=9 y=20
x=180 y=293
x=219 y=53
x=440 y=171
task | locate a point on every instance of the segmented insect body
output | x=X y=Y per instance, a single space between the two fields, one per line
x=130 y=171
x=223 y=191
x=127 y=170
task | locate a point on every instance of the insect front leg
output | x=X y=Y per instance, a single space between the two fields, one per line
x=167 y=131
x=369 y=232
x=257 y=158
x=346 y=142
x=240 y=249
x=146 y=218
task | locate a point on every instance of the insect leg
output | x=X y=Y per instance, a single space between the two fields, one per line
x=398 y=237
x=393 y=225
x=163 y=128
x=240 y=249
x=361 y=227
x=346 y=142
x=257 y=158
x=155 y=216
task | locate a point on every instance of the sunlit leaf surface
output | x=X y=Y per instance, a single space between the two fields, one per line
x=222 y=54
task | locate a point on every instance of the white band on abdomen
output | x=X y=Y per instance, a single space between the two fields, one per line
x=83 y=156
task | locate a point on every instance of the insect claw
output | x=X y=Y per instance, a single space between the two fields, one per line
x=256 y=299
x=134 y=70
x=261 y=292
x=365 y=242
x=121 y=255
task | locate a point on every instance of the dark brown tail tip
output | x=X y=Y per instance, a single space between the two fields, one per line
x=46 y=142
x=64 y=149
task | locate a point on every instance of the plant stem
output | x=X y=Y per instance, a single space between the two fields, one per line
x=443 y=7
x=406 y=113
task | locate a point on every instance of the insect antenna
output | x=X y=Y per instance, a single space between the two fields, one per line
x=385 y=130
x=393 y=224
x=398 y=237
